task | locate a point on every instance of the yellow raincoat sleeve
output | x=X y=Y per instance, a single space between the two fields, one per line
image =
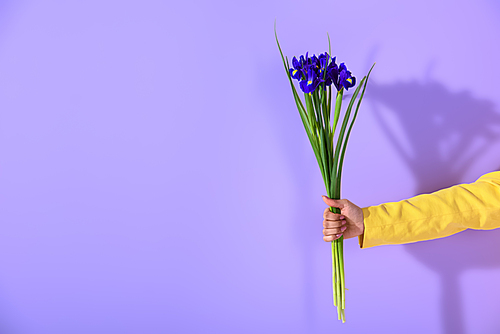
x=431 y=216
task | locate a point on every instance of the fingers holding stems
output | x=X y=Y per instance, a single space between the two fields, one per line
x=333 y=230
x=334 y=225
x=348 y=223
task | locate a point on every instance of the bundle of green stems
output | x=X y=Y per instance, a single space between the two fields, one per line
x=329 y=147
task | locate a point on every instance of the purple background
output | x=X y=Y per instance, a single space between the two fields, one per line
x=155 y=176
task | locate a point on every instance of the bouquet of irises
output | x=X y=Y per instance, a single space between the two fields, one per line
x=316 y=75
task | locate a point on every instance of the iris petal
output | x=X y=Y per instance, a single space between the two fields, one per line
x=296 y=74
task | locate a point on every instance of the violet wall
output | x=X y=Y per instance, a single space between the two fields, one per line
x=155 y=176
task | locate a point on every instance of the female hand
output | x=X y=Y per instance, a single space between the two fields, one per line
x=348 y=223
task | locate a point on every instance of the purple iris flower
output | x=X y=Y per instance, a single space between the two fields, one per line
x=333 y=73
x=312 y=81
x=323 y=59
x=314 y=61
x=296 y=71
x=321 y=70
x=345 y=77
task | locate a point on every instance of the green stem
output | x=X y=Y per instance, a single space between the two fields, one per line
x=334 y=265
x=341 y=257
x=337 y=278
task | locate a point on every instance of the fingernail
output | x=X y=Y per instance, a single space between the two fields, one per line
x=324 y=196
x=338 y=235
x=342 y=217
x=344 y=222
x=343 y=229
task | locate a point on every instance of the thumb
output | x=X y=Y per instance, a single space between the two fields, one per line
x=336 y=203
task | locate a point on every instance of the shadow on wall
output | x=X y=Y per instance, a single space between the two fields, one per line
x=444 y=133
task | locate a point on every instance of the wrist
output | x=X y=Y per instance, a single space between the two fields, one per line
x=361 y=237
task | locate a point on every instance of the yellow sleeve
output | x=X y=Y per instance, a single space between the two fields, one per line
x=437 y=215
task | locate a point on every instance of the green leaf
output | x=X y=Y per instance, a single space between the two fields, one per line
x=329 y=45
x=300 y=106
x=309 y=126
x=329 y=103
x=341 y=163
x=335 y=177
x=338 y=105
x=315 y=133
